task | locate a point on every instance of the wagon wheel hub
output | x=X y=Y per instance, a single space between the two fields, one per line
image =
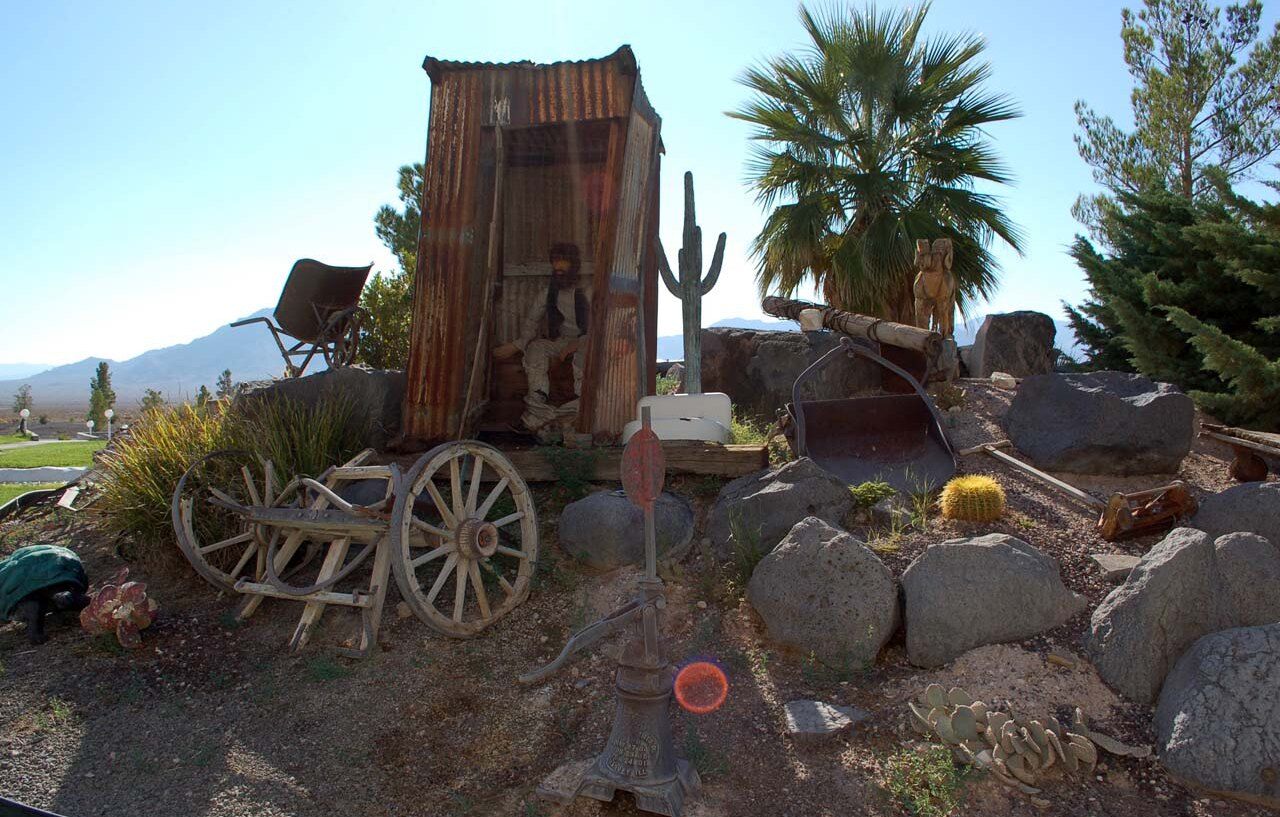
x=477 y=539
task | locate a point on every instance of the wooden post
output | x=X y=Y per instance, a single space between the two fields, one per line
x=691 y=286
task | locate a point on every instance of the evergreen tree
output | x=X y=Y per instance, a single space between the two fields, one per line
x=388 y=298
x=203 y=396
x=152 y=400
x=101 y=395
x=22 y=398
x=1206 y=97
x=1189 y=294
x=225 y=387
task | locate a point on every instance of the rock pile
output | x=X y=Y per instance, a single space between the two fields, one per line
x=1102 y=423
x=1018 y=343
x=605 y=530
x=824 y=593
x=1187 y=586
x=965 y=593
x=1216 y=721
x=764 y=506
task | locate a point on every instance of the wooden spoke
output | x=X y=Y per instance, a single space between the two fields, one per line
x=482 y=598
x=477 y=468
x=442 y=578
x=249 y=486
x=429 y=528
x=225 y=543
x=244 y=560
x=455 y=485
x=269 y=482
x=431 y=555
x=460 y=594
x=497 y=574
x=225 y=497
x=508 y=519
x=441 y=506
x=506 y=551
x=487 y=505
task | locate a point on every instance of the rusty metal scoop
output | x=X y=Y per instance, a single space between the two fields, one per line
x=894 y=438
x=1123 y=515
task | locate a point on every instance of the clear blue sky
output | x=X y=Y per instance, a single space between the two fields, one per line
x=163 y=164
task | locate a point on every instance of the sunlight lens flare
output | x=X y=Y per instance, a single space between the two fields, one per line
x=701 y=687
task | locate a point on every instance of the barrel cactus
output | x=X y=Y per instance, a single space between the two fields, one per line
x=972 y=498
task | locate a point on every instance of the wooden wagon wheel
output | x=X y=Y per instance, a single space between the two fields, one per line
x=342 y=338
x=221 y=545
x=481 y=539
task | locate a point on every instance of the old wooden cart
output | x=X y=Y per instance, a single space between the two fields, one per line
x=461 y=514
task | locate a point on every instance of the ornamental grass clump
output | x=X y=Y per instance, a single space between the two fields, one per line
x=972 y=498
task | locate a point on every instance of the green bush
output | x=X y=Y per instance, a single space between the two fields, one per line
x=867 y=494
x=139 y=475
x=924 y=783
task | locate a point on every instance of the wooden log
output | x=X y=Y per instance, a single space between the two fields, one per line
x=860 y=326
x=683 y=457
x=262 y=589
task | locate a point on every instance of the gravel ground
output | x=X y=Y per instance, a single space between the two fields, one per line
x=216 y=719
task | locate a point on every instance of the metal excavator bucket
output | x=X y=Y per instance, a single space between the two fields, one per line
x=893 y=438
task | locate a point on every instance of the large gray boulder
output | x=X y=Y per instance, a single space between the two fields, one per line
x=1017 y=343
x=1187 y=586
x=966 y=593
x=764 y=506
x=377 y=396
x=1102 y=423
x=757 y=368
x=1252 y=507
x=823 y=592
x=605 y=530
x=1218 y=719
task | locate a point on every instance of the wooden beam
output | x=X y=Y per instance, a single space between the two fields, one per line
x=682 y=458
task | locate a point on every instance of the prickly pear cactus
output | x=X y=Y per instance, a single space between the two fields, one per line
x=1017 y=750
x=691 y=286
x=972 y=498
x=121 y=608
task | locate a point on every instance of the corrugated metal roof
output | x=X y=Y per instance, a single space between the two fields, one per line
x=435 y=66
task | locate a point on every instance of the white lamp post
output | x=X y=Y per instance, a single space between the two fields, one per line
x=89 y=425
x=22 y=426
x=109 y=413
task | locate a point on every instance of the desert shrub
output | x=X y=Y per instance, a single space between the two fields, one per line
x=924 y=783
x=745 y=430
x=666 y=384
x=297 y=437
x=139 y=473
x=867 y=494
x=747 y=549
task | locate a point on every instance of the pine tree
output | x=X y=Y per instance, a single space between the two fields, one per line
x=1190 y=294
x=22 y=398
x=101 y=395
x=225 y=387
x=152 y=400
x=203 y=396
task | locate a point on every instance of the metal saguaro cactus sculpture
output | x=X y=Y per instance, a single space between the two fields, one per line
x=691 y=286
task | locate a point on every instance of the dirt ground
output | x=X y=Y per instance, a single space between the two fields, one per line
x=213 y=718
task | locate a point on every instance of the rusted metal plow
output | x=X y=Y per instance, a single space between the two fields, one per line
x=435 y=524
x=640 y=756
x=896 y=438
x=1249 y=448
x=1123 y=515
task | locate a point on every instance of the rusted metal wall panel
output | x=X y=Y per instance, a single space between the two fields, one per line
x=451 y=256
x=620 y=382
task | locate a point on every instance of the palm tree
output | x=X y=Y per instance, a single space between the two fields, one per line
x=868 y=139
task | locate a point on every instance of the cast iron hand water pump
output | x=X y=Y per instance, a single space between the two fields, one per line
x=640 y=755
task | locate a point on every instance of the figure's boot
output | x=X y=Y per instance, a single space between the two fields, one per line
x=30 y=611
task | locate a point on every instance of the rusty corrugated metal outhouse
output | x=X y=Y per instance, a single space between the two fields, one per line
x=521 y=157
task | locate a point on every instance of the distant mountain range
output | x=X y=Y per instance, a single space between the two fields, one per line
x=250 y=354
x=175 y=371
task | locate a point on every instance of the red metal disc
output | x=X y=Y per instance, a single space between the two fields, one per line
x=644 y=468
